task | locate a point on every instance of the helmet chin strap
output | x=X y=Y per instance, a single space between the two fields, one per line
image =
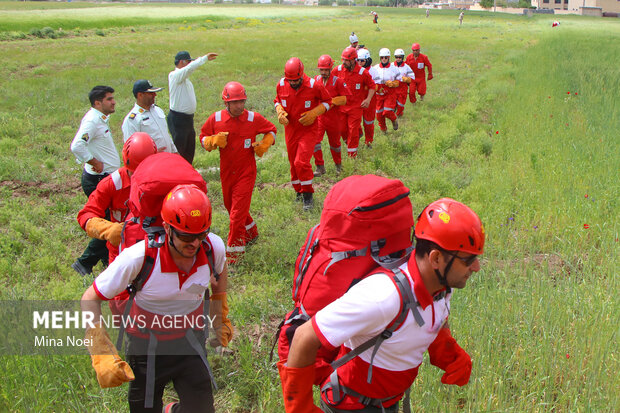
x=172 y=243
x=443 y=279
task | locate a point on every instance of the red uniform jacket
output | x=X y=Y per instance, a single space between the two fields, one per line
x=238 y=155
x=358 y=81
x=111 y=193
x=415 y=64
x=335 y=87
x=297 y=101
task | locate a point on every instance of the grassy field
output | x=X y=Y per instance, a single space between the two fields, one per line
x=520 y=122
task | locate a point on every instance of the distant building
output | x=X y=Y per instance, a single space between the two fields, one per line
x=589 y=7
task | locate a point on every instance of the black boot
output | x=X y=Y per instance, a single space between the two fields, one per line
x=308 y=201
x=298 y=197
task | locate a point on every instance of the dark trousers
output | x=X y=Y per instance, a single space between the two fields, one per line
x=180 y=365
x=181 y=127
x=96 y=250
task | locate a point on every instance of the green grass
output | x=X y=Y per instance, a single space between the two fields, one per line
x=548 y=286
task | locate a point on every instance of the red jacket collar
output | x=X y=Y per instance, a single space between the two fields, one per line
x=421 y=293
x=168 y=264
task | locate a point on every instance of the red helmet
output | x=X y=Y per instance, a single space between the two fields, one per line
x=325 y=62
x=233 y=91
x=187 y=209
x=451 y=225
x=415 y=46
x=349 y=53
x=137 y=147
x=293 y=69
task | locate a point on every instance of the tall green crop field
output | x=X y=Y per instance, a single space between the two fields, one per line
x=521 y=122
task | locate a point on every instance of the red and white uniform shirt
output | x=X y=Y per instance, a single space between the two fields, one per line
x=404 y=70
x=364 y=312
x=384 y=74
x=168 y=291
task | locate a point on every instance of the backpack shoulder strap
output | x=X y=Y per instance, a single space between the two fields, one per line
x=408 y=303
x=150 y=255
x=208 y=247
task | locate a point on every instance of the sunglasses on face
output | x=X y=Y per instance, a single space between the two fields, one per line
x=185 y=237
x=468 y=261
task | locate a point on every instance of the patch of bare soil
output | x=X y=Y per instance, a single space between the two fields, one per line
x=23 y=189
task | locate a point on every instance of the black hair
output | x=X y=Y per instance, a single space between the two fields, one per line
x=424 y=247
x=98 y=93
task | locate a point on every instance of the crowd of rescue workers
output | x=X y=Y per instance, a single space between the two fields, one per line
x=380 y=298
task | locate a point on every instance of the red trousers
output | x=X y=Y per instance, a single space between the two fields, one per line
x=401 y=97
x=351 y=129
x=237 y=187
x=386 y=106
x=333 y=129
x=369 y=121
x=300 y=141
x=419 y=85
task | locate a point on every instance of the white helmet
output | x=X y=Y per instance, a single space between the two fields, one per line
x=385 y=52
x=363 y=54
x=353 y=38
x=399 y=52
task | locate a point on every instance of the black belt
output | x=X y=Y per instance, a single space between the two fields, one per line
x=181 y=113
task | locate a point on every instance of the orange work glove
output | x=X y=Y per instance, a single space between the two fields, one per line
x=103 y=229
x=308 y=118
x=339 y=100
x=211 y=142
x=111 y=370
x=282 y=115
x=260 y=148
x=446 y=354
x=218 y=314
x=430 y=76
x=297 y=388
x=392 y=83
x=406 y=79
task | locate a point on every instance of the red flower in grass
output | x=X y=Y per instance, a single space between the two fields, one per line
x=567 y=356
x=497 y=132
x=568 y=93
x=586 y=195
x=575 y=93
x=586 y=226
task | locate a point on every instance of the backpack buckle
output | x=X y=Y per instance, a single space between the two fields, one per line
x=386 y=334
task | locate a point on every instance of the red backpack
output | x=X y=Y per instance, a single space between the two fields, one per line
x=366 y=225
x=156 y=175
x=150 y=183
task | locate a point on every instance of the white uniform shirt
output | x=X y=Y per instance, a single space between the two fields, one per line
x=153 y=122
x=164 y=292
x=374 y=74
x=364 y=312
x=386 y=73
x=404 y=70
x=182 y=96
x=94 y=140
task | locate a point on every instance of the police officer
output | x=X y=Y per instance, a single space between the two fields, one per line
x=147 y=117
x=93 y=145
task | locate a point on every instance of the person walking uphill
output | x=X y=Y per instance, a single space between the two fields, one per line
x=234 y=132
x=93 y=145
x=299 y=101
x=166 y=339
x=183 y=102
x=362 y=88
x=388 y=80
x=418 y=62
x=330 y=122
x=449 y=240
x=147 y=117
